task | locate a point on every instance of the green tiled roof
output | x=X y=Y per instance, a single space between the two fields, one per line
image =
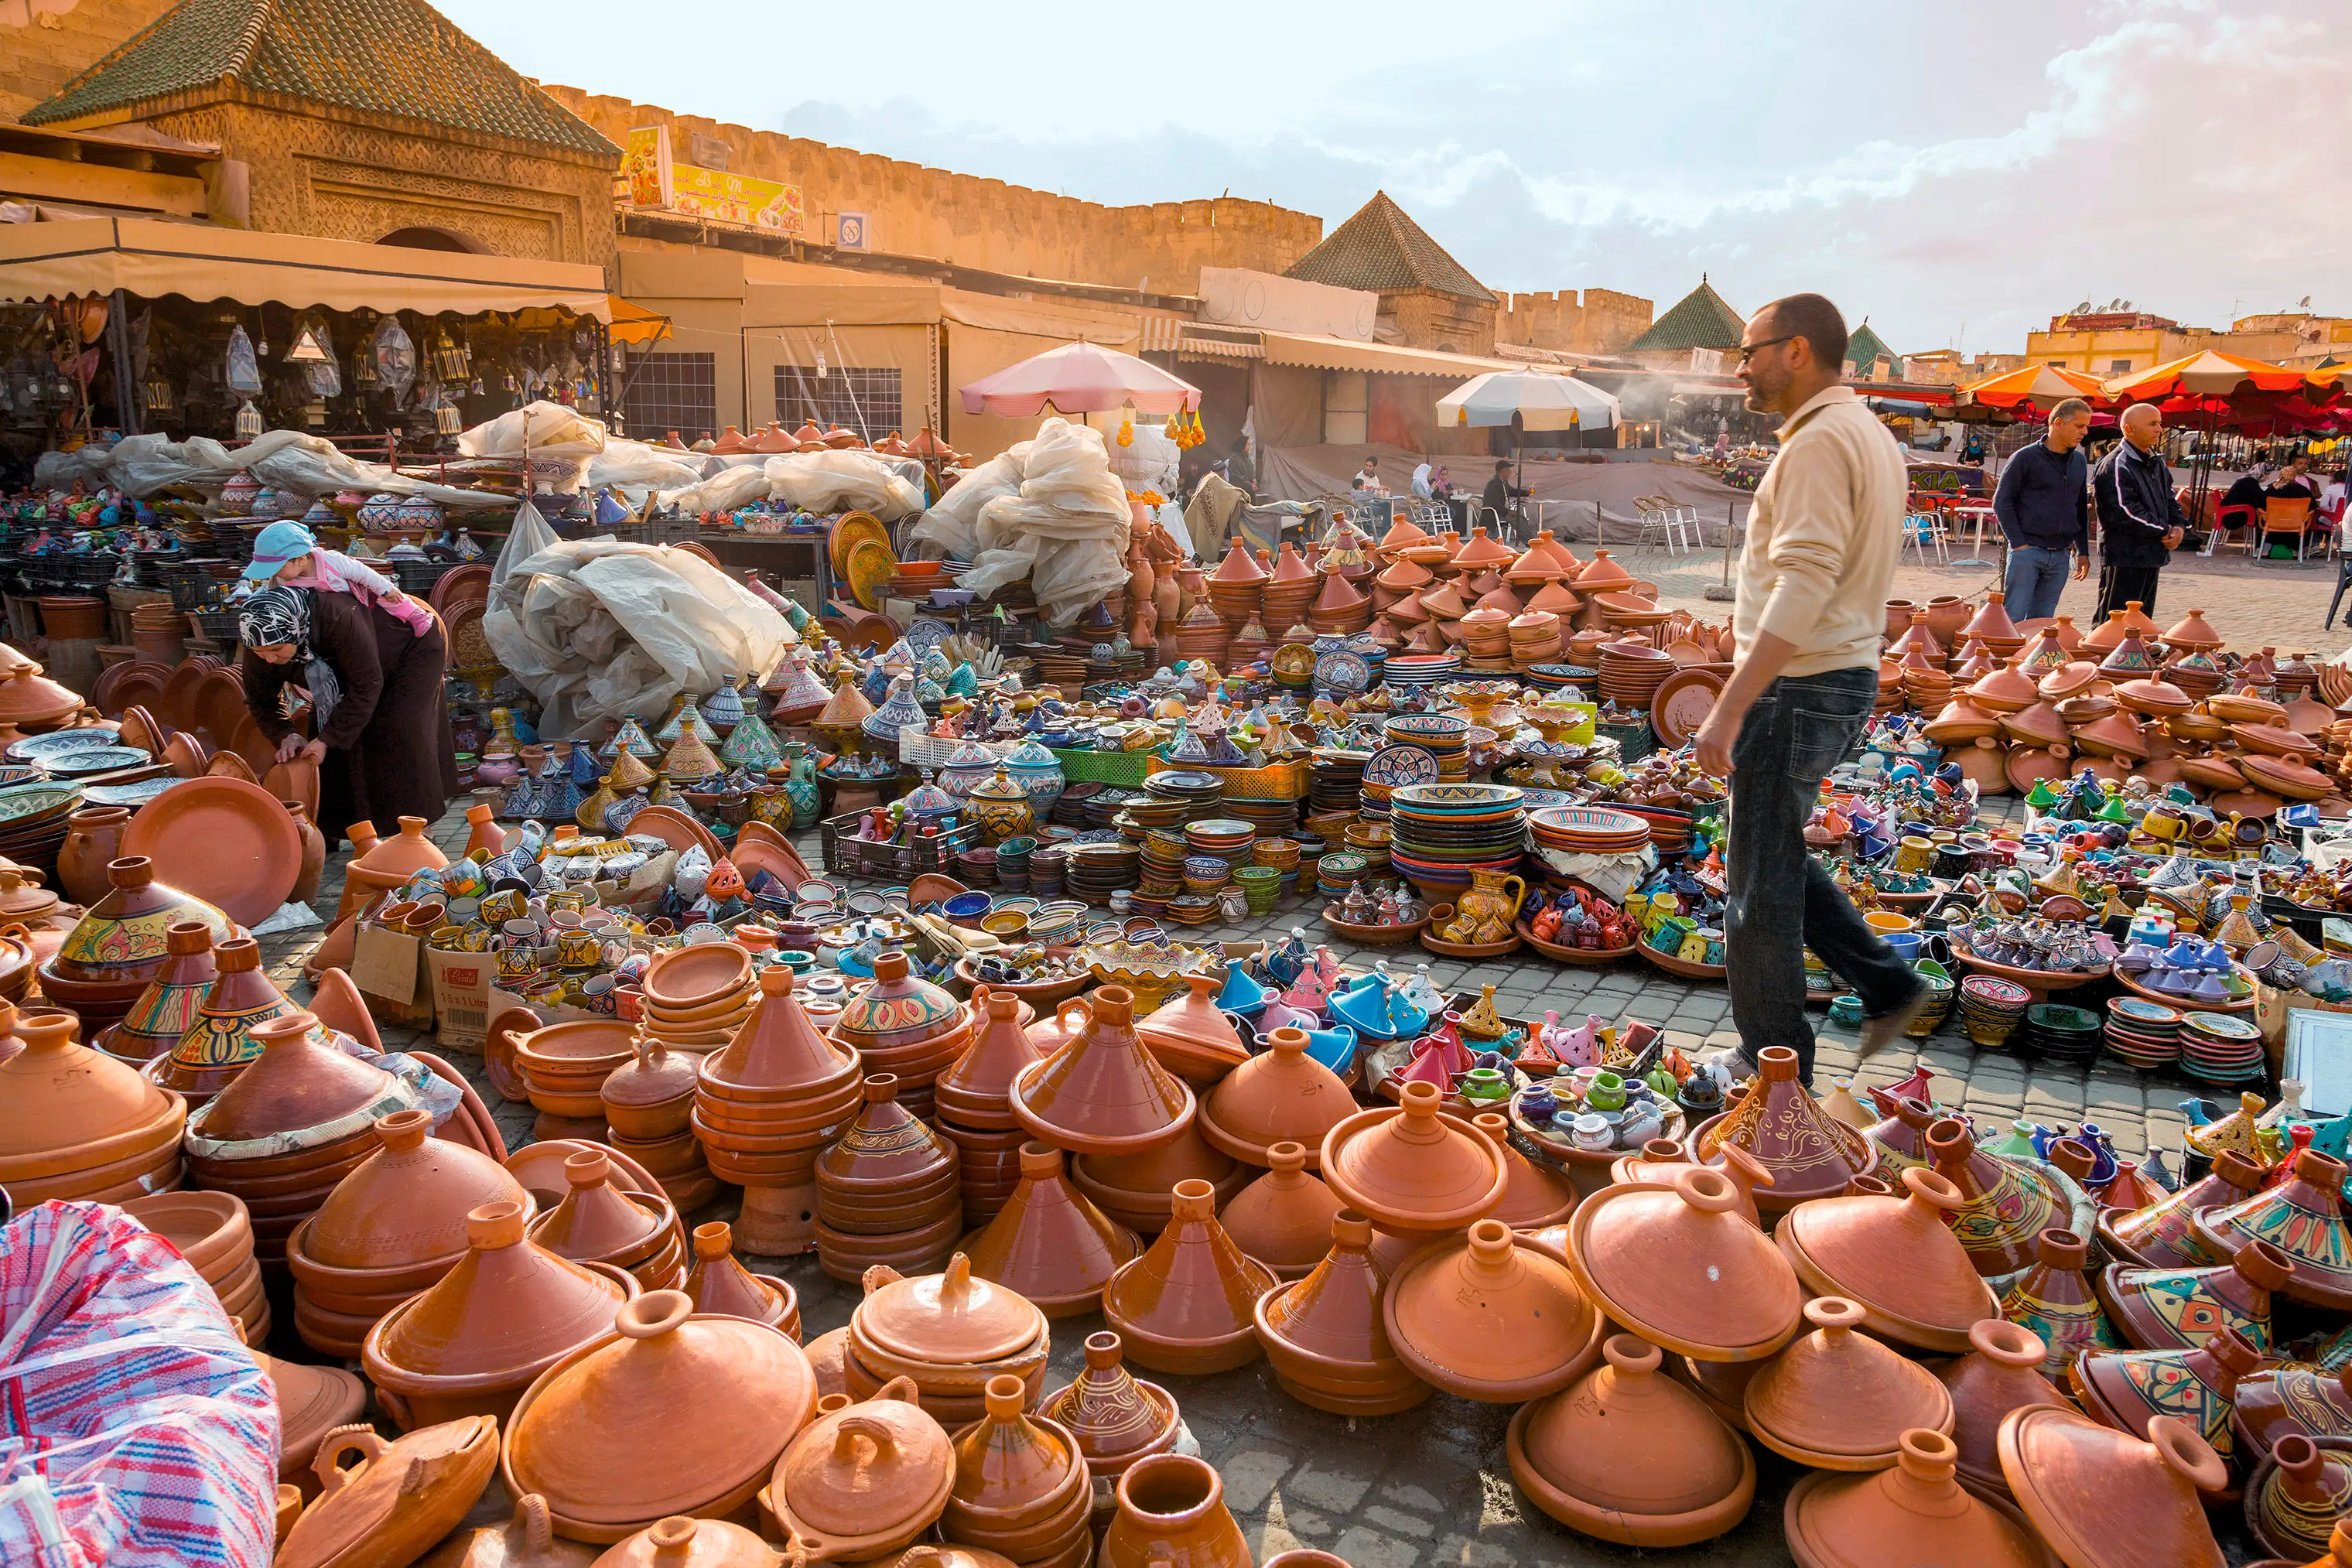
x=1382 y=249
x=1702 y=320
x=398 y=57
x=1865 y=346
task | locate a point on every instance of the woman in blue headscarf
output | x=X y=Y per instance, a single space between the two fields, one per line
x=379 y=721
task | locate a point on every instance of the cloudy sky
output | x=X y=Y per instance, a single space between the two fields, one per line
x=1956 y=173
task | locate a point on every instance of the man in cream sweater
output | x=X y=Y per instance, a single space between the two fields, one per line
x=1810 y=605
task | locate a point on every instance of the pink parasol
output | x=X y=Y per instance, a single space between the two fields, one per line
x=1079 y=378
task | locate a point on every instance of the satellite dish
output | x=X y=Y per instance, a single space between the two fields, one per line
x=2084 y=308
x=2304 y=303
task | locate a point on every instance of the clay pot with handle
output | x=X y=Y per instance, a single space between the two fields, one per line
x=93 y=839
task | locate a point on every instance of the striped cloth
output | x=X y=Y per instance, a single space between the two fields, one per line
x=135 y=1428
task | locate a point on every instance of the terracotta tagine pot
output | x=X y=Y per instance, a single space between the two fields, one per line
x=1116 y=1417
x=1283 y=1095
x=392 y=860
x=1415 y=1173
x=1661 y=1159
x=2303 y=1216
x=2285 y=1398
x=1190 y=1037
x=682 y=1542
x=1325 y=1337
x=1839 y=1400
x=299 y=1081
x=2056 y=1300
x=526 y=1540
x=121 y=939
x=1681 y=1267
x=1913 y=1512
x=75 y=1124
x=720 y=1285
x=2172 y=1309
x=1021 y=1485
x=2002 y=1373
x=597 y=1222
x=1628 y=1455
x=2126 y=1388
x=167 y=1008
x=1172 y=1511
x=506 y=1311
x=1810 y=1153
x=2157 y=1237
x=949 y=1331
x=1493 y=1318
x=1534 y=1196
x=1049 y=1243
x=888 y=1191
x=651 y=1097
x=2005 y=1205
x=1103 y=1093
x=1187 y=1303
x=578 y=1436
x=2298 y=1497
x=1284 y=1218
x=402 y=1496
x=1897 y=1257
x=2105 y=1498
x=976 y=1091
x=863 y=1481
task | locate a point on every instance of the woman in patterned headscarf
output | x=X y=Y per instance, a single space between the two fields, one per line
x=379 y=722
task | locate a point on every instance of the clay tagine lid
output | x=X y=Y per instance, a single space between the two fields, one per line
x=1914 y=1512
x=2165 y=1309
x=1491 y=1318
x=680 y=1541
x=1682 y=1267
x=2126 y=1387
x=596 y=1219
x=507 y=1311
x=1837 y=1399
x=2105 y=1498
x=1410 y=1168
x=1533 y=1196
x=720 y=1284
x=1810 y=1153
x=1284 y=1217
x=581 y=1435
x=950 y=1319
x=2001 y=1373
x=1103 y=1093
x=299 y=1081
x=778 y=1047
x=1631 y=1456
x=982 y=1078
x=1049 y=1242
x=1190 y=1037
x=897 y=1009
x=406 y=1203
x=125 y=936
x=656 y=1077
x=868 y=1473
x=65 y=1107
x=1282 y=1095
x=1114 y=1415
x=1896 y=1257
x=1006 y=1462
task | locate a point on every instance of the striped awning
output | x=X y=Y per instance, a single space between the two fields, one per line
x=1221 y=342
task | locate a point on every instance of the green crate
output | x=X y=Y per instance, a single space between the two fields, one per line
x=1122 y=768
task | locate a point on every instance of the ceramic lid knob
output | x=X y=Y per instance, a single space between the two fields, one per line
x=714 y=1239
x=2011 y=1344
x=130 y=870
x=588 y=1169
x=491 y=1226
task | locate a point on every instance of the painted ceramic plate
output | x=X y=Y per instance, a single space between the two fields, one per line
x=28 y=802
x=854 y=530
x=1452 y=797
x=38 y=748
x=96 y=759
x=1401 y=763
x=1682 y=703
x=871 y=567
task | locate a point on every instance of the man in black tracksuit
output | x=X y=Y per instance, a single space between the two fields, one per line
x=2139 y=519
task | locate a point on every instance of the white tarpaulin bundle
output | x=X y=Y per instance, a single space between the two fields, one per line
x=540 y=429
x=596 y=628
x=825 y=481
x=1048 y=509
x=283 y=459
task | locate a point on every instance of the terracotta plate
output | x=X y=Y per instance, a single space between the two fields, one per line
x=467 y=584
x=674 y=828
x=295 y=780
x=1681 y=703
x=179 y=692
x=227 y=841
x=132 y=683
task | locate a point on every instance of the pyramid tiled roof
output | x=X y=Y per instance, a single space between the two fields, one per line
x=1700 y=321
x=399 y=59
x=1383 y=250
x=1863 y=346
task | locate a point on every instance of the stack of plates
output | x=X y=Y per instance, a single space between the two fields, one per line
x=1267 y=818
x=1669 y=830
x=1588 y=830
x=1630 y=673
x=1195 y=790
x=1444 y=736
x=1070 y=806
x=2146 y=1034
x=1560 y=677
x=2057 y=1030
x=1440 y=833
x=1103 y=809
x=1148 y=810
x=1057 y=922
x=1160 y=863
x=2222 y=1048
x=1097 y=871
x=1335 y=780
x=33 y=822
x=1393 y=766
x=1990 y=1008
x=1414 y=670
x=1225 y=839
x=1338 y=872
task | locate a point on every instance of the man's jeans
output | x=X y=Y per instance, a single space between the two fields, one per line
x=1781 y=901
x=2036 y=578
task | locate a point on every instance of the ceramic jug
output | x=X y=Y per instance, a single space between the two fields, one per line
x=1491 y=905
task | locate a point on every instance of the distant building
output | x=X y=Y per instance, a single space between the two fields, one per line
x=1867 y=357
x=1701 y=332
x=1428 y=299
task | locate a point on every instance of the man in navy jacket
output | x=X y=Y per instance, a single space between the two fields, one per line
x=2139 y=519
x=2044 y=503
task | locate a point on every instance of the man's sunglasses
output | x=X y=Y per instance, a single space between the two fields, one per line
x=1749 y=350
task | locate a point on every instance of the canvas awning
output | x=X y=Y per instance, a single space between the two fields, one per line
x=148 y=258
x=1323 y=353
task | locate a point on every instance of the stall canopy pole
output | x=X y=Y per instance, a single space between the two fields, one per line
x=126 y=391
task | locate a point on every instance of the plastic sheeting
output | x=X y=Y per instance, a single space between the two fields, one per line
x=1048 y=509
x=596 y=630
x=284 y=459
x=540 y=429
x=827 y=481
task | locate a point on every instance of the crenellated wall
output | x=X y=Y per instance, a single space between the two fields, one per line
x=1603 y=322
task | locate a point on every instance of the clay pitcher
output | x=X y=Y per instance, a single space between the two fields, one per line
x=93 y=837
x=1491 y=905
x=314 y=854
x=487 y=836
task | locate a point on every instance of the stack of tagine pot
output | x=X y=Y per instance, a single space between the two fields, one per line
x=765 y=1106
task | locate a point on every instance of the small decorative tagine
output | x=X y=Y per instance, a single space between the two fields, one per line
x=1839 y=1400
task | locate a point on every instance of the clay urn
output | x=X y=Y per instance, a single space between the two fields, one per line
x=597 y=1222
x=1413 y=1172
x=1838 y=1399
x=398 y=1220
x=720 y=1285
x=1172 y=1511
x=526 y=1540
x=2295 y=1502
x=1187 y=1303
x=1683 y=1268
x=1049 y=1244
x=1114 y=1417
x=2002 y=1373
x=975 y=1091
x=579 y=1437
x=1021 y=1487
x=400 y=1496
x=2101 y=1498
x=1626 y=1455
x=93 y=840
x=297 y=1081
x=1282 y=1095
x=1493 y=1318
x=1810 y=1153
x=1914 y=1511
x=1103 y=1093
x=2157 y=1237
x=863 y=1480
x=682 y=1542
x=506 y=1311
x=2125 y=1388
x=2304 y=1216
x=1325 y=1336
x=219 y=1043
x=2004 y=1206
x=2054 y=1300
x=2173 y=1308
x=1191 y=1037
x=75 y=1124
x=1284 y=1218
x=1897 y=1257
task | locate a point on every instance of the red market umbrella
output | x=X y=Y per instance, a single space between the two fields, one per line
x=1079 y=378
x=2038 y=387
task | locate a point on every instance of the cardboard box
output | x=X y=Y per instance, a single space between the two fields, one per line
x=462 y=986
x=388 y=967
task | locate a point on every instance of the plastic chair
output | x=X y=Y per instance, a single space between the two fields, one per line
x=1923 y=530
x=2240 y=516
x=1662 y=517
x=2282 y=515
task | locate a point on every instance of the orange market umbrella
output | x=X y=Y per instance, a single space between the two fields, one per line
x=2042 y=387
x=2209 y=374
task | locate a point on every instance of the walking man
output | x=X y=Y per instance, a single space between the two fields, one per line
x=2044 y=503
x=1807 y=620
x=2140 y=519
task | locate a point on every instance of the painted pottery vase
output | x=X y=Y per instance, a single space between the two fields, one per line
x=1001 y=808
x=2056 y=1302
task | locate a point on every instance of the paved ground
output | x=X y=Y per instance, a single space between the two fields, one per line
x=1431 y=1485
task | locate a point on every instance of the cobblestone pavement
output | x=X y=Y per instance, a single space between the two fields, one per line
x=1432 y=1487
